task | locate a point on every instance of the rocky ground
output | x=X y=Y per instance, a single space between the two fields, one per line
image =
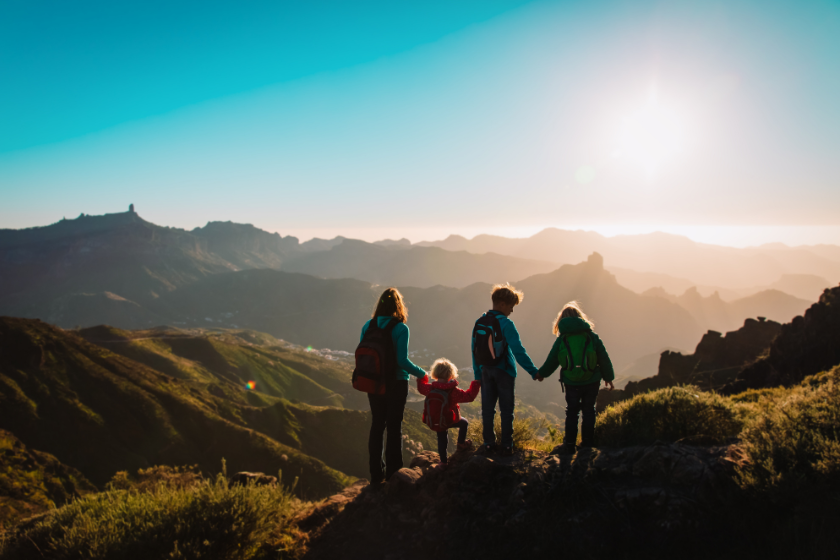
x=599 y=502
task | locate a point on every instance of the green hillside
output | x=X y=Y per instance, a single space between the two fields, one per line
x=32 y=482
x=224 y=361
x=290 y=403
x=100 y=412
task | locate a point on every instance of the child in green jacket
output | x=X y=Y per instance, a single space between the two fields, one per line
x=583 y=362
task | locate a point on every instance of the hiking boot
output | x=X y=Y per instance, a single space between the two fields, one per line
x=507 y=451
x=565 y=449
x=465 y=445
x=585 y=445
x=486 y=449
x=441 y=466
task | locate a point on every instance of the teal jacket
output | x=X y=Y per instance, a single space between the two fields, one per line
x=569 y=325
x=515 y=351
x=400 y=337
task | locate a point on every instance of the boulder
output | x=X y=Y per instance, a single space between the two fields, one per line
x=259 y=479
x=404 y=482
x=425 y=460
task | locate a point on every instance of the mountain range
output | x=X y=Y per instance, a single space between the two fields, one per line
x=661 y=253
x=121 y=270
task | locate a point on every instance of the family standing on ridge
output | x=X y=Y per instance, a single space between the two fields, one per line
x=383 y=369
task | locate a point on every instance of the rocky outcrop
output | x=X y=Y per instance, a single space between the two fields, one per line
x=532 y=503
x=805 y=346
x=716 y=361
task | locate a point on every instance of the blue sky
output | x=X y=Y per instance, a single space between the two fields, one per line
x=391 y=119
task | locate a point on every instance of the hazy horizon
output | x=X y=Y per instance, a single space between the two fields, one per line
x=724 y=235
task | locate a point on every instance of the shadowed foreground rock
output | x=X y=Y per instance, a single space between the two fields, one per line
x=597 y=503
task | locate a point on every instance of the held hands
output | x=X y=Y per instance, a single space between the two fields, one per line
x=609 y=385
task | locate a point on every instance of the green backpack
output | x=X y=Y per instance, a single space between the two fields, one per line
x=578 y=358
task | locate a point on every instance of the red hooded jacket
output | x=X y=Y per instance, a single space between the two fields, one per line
x=456 y=395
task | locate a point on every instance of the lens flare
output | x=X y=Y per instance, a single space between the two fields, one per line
x=309 y=349
x=251 y=385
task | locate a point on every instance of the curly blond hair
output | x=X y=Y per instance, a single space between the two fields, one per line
x=443 y=370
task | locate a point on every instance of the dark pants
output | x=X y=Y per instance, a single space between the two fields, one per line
x=443 y=437
x=497 y=385
x=386 y=411
x=579 y=399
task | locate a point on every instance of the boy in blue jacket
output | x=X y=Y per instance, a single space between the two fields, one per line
x=496 y=349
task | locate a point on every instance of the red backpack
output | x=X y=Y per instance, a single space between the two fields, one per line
x=437 y=412
x=375 y=358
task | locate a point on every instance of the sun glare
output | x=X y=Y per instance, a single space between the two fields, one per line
x=651 y=137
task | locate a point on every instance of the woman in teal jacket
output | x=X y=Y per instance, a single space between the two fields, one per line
x=387 y=410
x=583 y=362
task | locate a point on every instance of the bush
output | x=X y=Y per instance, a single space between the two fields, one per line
x=796 y=439
x=670 y=414
x=208 y=520
x=153 y=477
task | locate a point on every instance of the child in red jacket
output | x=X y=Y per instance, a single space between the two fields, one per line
x=441 y=410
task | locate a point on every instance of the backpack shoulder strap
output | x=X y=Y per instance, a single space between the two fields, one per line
x=374 y=323
x=497 y=325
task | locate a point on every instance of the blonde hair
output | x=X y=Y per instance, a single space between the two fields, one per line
x=442 y=367
x=571 y=309
x=505 y=293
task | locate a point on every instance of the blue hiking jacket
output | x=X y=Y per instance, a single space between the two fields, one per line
x=399 y=335
x=515 y=351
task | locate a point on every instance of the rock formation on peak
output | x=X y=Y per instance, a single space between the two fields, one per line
x=807 y=345
x=595 y=260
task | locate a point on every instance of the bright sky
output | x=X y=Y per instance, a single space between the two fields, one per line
x=373 y=119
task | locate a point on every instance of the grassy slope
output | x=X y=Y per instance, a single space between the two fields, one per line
x=101 y=412
x=288 y=404
x=225 y=360
x=32 y=481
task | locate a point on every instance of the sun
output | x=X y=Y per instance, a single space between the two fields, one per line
x=652 y=137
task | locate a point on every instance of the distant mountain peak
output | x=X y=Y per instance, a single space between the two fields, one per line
x=595 y=260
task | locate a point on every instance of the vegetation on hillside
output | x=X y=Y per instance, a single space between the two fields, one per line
x=32 y=482
x=195 y=519
x=671 y=414
x=100 y=412
x=793 y=441
x=224 y=361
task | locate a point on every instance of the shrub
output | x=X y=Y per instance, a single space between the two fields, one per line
x=797 y=438
x=208 y=520
x=160 y=475
x=670 y=414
